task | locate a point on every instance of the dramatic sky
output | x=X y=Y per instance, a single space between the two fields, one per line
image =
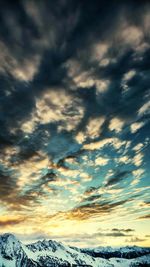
x=75 y=121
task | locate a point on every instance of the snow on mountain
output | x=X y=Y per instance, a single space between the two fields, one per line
x=54 y=251
x=122 y=252
x=12 y=252
x=51 y=253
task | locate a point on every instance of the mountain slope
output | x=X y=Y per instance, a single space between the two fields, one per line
x=122 y=252
x=51 y=253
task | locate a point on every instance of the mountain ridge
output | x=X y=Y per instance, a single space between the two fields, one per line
x=45 y=253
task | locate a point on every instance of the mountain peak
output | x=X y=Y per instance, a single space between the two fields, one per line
x=9 y=236
x=10 y=245
x=52 y=253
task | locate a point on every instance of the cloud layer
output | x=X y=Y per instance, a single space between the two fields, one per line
x=74 y=115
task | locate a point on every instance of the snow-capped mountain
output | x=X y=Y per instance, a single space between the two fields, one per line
x=51 y=253
x=122 y=252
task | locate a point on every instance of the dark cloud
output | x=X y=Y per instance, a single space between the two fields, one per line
x=7 y=184
x=118 y=177
x=123 y=230
x=146 y=203
x=91 y=190
x=135 y=239
x=147 y=216
x=87 y=211
x=30 y=38
x=73 y=237
x=12 y=196
x=92 y=198
x=11 y=222
x=49 y=176
x=115 y=234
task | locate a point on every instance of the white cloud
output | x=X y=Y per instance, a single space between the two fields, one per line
x=80 y=137
x=102 y=85
x=23 y=71
x=116 y=124
x=104 y=62
x=54 y=106
x=85 y=177
x=101 y=161
x=132 y=35
x=137 y=174
x=138 y=159
x=138 y=147
x=129 y=75
x=115 y=142
x=136 y=126
x=124 y=159
x=93 y=127
x=144 y=109
x=27 y=70
x=99 y=51
x=34 y=166
x=84 y=80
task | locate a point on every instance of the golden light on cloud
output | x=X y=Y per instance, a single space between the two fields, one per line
x=93 y=128
x=132 y=35
x=115 y=142
x=116 y=124
x=54 y=106
x=99 y=50
x=136 y=126
x=101 y=161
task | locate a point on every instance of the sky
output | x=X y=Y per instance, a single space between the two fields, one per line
x=75 y=121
